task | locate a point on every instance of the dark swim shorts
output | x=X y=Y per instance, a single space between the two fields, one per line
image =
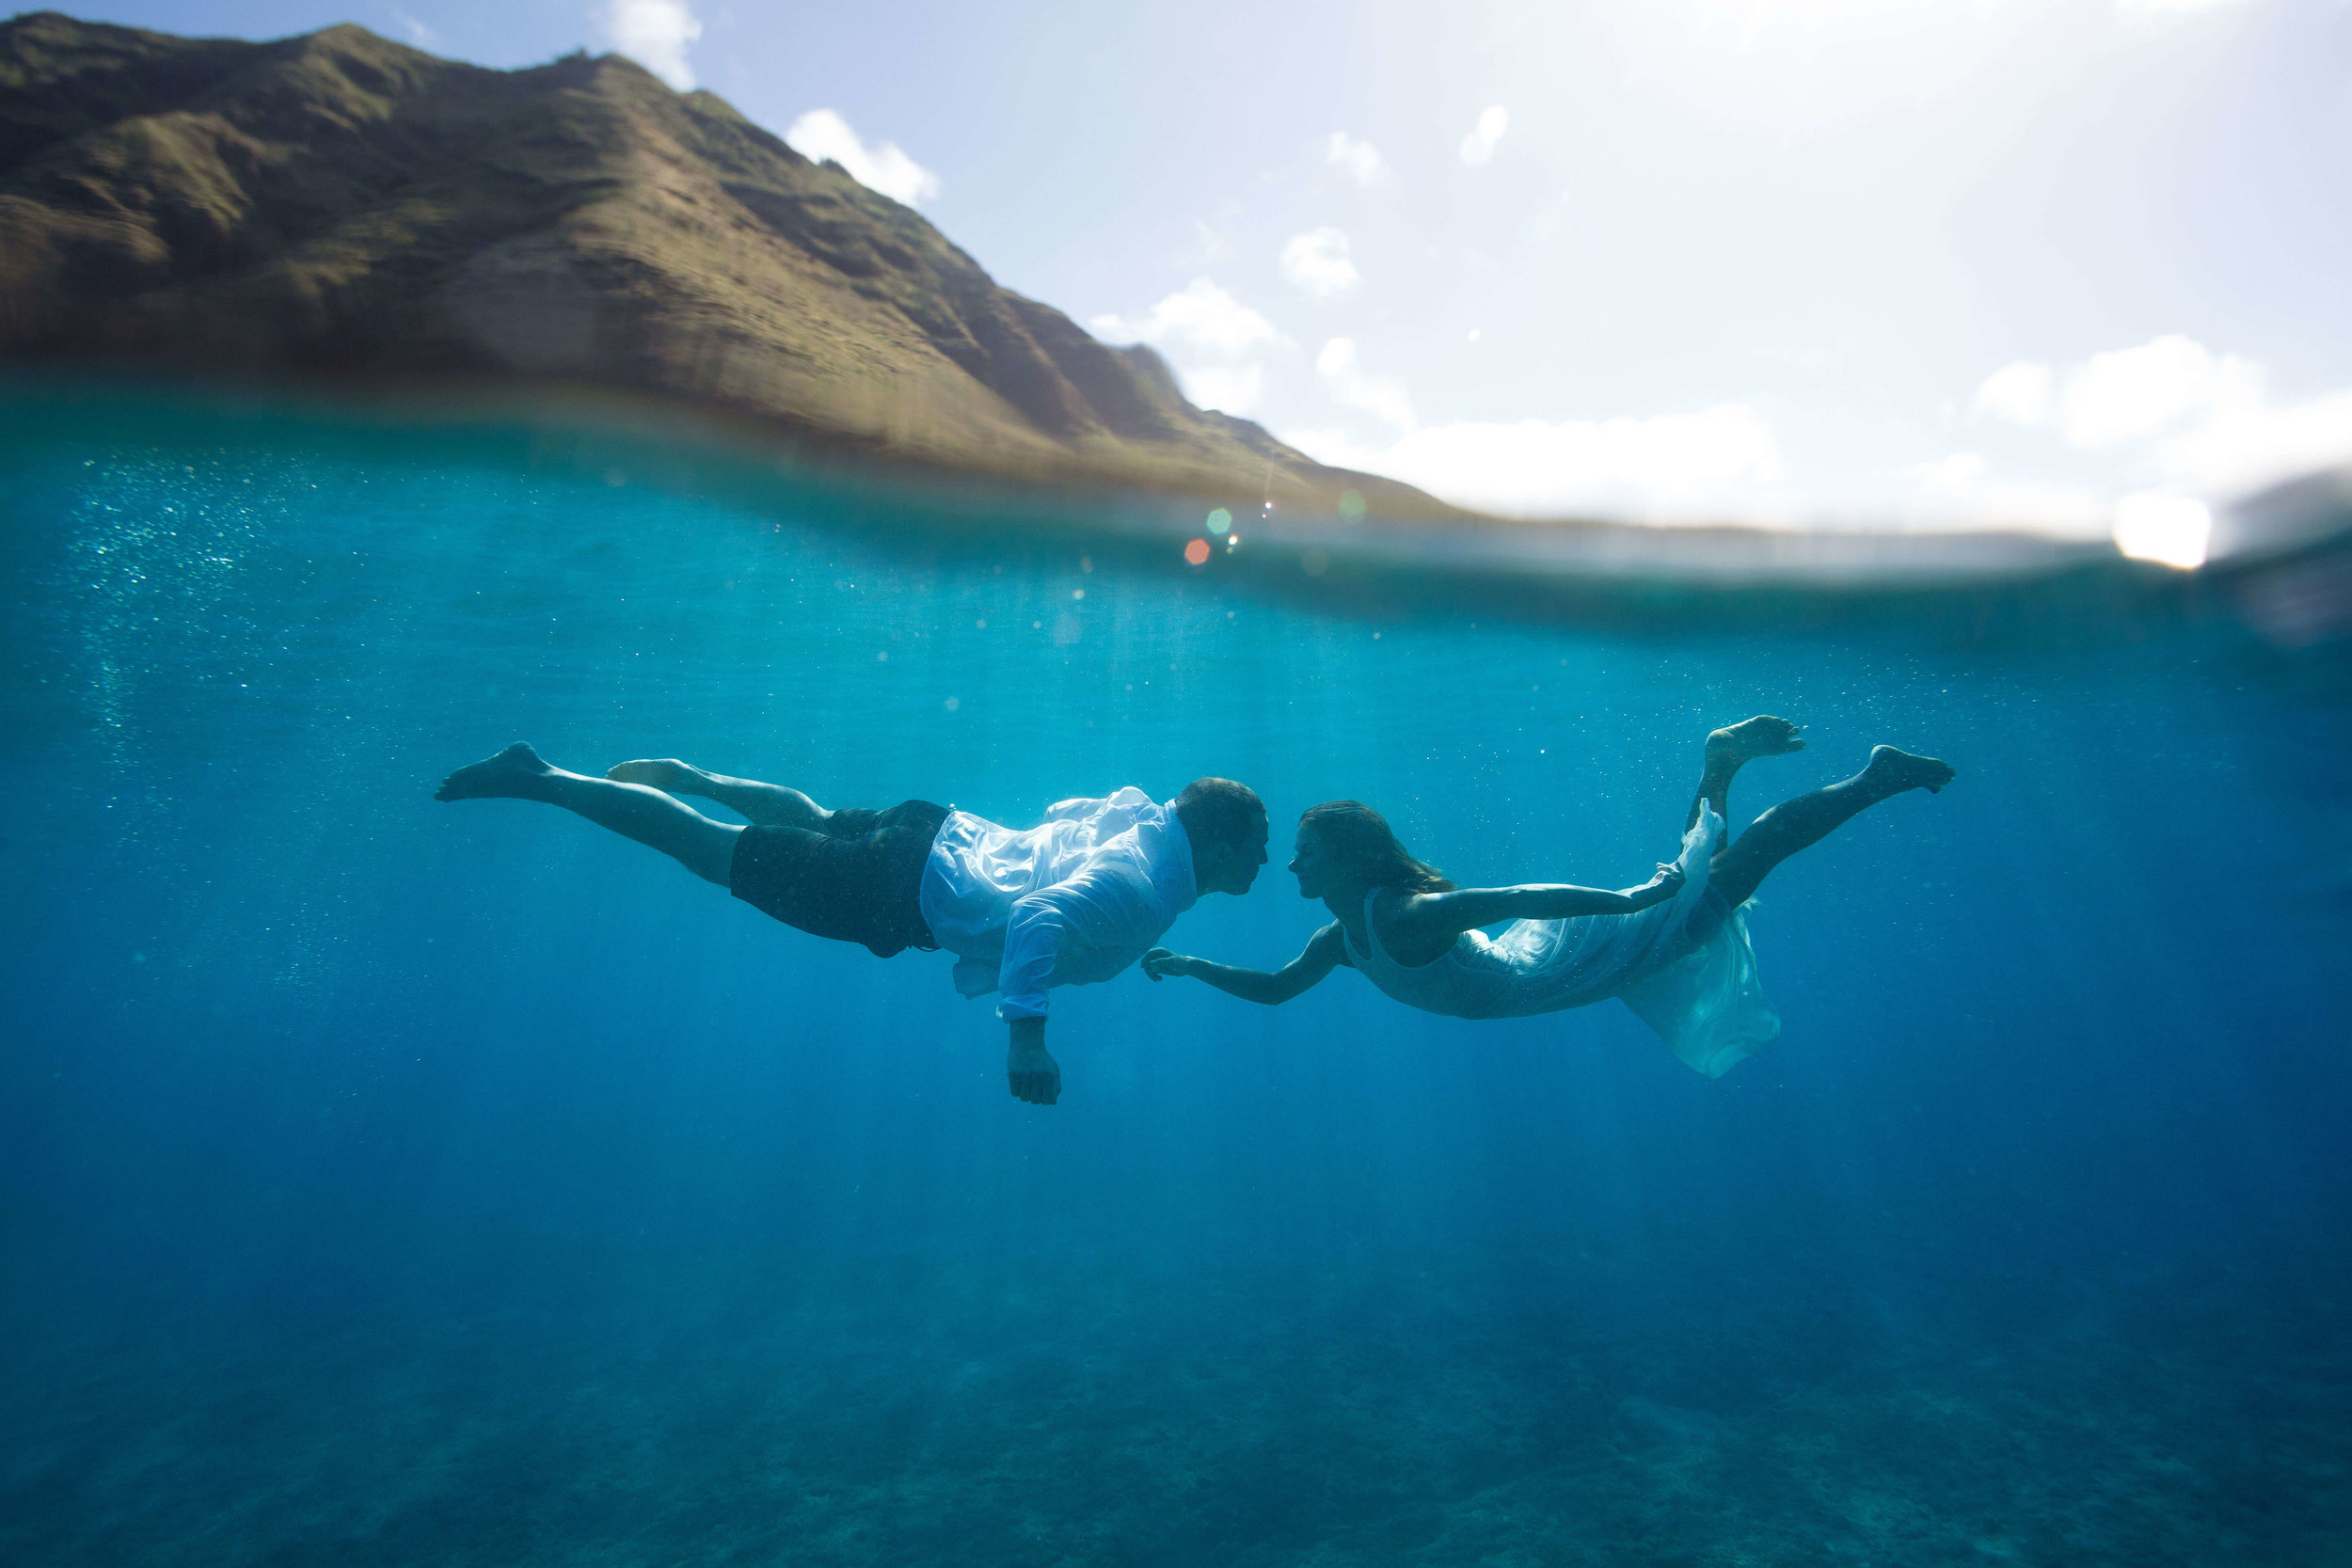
x=858 y=878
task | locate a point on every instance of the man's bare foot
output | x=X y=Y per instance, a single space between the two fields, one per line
x=661 y=773
x=1901 y=770
x=1760 y=737
x=508 y=775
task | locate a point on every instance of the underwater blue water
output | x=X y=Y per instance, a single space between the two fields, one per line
x=394 y=1181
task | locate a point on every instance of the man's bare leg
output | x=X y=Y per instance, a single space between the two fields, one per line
x=770 y=805
x=1733 y=747
x=1792 y=825
x=700 y=843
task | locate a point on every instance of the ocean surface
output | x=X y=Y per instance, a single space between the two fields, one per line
x=385 y=1182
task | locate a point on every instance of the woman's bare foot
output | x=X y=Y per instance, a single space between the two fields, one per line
x=1901 y=770
x=667 y=773
x=1760 y=737
x=509 y=775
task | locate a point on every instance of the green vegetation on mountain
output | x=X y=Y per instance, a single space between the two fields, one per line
x=341 y=205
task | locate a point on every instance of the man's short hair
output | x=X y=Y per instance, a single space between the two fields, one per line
x=1219 y=811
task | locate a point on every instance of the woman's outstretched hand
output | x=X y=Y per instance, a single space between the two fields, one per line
x=1159 y=963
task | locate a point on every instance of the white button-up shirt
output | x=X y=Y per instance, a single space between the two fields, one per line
x=1069 y=902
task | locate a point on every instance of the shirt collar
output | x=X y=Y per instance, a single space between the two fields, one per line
x=1170 y=852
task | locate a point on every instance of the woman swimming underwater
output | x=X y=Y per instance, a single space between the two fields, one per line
x=1675 y=949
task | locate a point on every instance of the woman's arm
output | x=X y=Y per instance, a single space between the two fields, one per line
x=1321 y=955
x=1442 y=917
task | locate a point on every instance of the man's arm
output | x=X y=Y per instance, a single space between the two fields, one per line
x=1034 y=1076
x=1099 y=908
x=1031 y=942
x=1434 y=916
x=1323 y=954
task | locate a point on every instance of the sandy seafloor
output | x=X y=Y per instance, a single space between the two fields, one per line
x=391 y=1183
x=916 y=1415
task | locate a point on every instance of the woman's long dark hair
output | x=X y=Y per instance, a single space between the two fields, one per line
x=1356 y=832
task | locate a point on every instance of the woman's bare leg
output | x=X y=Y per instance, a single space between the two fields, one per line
x=770 y=805
x=1731 y=748
x=1792 y=825
x=703 y=846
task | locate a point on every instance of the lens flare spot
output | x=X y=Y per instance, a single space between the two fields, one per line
x=2174 y=531
x=1197 y=553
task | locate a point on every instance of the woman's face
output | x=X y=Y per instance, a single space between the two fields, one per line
x=1317 y=873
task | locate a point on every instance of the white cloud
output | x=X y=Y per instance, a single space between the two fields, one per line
x=1201 y=322
x=2243 y=448
x=1361 y=159
x=1960 y=490
x=1318 y=263
x=418 y=34
x=2123 y=395
x=2169 y=8
x=2021 y=392
x=2129 y=394
x=1666 y=468
x=1210 y=246
x=821 y=134
x=1946 y=475
x=1201 y=317
x=1650 y=466
x=656 y=34
x=1380 y=396
x=1228 y=388
x=2172 y=409
x=1669 y=467
x=1478 y=146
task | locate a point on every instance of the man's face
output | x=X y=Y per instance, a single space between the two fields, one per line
x=1236 y=865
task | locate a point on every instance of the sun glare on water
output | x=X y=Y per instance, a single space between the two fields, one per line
x=2173 y=529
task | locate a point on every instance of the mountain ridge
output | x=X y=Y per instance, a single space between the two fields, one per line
x=337 y=204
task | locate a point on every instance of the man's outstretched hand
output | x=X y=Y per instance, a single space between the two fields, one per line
x=1035 y=1076
x=1658 y=889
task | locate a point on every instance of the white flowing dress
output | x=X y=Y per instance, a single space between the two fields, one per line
x=1685 y=968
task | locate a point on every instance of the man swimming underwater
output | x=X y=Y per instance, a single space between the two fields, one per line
x=1072 y=901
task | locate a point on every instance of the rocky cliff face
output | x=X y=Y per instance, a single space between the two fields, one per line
x=339 y=203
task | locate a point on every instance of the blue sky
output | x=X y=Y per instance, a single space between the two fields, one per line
x=1853 y=262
